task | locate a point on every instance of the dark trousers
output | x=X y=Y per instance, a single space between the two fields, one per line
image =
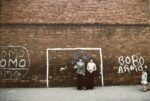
x=90 y=81
x=79 y=81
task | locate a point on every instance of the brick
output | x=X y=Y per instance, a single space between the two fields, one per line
x=115 y=41
x=75 y=11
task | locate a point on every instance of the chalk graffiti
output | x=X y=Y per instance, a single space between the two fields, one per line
x=76 y=55
x=130 y=63
x=14 y=62
x=63 y=68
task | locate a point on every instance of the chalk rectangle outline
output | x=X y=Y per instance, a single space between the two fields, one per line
x=51 y=49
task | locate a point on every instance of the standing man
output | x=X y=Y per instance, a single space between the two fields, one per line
x=80 y=66
x=91 y=67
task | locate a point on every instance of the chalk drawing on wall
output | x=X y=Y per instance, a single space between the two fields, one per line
x=128 y=64
x=63 y=68
x=14 y=62
x=76 y=55
x=73 y=54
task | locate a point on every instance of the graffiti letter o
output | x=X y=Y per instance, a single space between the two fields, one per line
x=22 y=63
x=141 y=61
x=140 y=68
x=3 y=63
x=128 y=60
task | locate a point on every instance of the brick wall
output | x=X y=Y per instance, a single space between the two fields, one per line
x=115 y=41
x=75 y=11
x=28 y=27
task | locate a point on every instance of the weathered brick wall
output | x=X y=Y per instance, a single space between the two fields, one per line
x=75 y=11
x=115 y=41
x=28 y=27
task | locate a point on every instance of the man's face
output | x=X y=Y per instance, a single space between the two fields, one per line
x=91 y=60
x=80 y=60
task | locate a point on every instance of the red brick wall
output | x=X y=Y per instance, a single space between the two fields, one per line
x=75 y=11
x=119 y=27
x=115 y=41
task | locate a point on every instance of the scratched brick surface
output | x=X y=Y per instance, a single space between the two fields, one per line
x=115 y=41
x=119 y=27
x=75 y=11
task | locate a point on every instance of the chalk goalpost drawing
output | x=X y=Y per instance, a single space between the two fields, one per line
x=72 y=49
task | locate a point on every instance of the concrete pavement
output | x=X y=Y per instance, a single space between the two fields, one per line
x=109 y=93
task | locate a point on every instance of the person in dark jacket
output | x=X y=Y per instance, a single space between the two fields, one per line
x=80 y=66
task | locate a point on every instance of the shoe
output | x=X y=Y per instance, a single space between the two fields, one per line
x=144 y=91
x=79 y=88
x=84 y=88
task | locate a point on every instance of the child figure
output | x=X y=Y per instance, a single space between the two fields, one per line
x=148 y=76
x=144 y=80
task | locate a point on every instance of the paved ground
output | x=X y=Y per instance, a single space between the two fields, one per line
x=111 y=93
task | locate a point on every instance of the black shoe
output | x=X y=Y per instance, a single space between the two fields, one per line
x=144 y=91
x=79 y=88
x=84 y=88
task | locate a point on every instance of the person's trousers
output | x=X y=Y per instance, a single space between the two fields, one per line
x=80 y=81
x=90 y=81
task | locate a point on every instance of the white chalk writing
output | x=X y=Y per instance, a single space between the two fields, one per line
x=14 y=62
x=130 y=63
